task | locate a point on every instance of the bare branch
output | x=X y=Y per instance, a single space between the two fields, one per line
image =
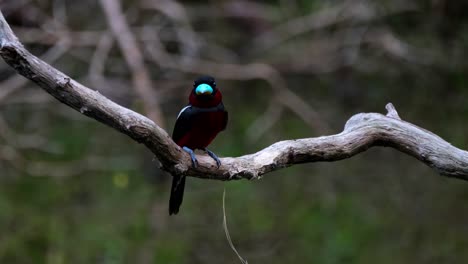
x=391 y=111
x=14 y=83
x=81 y=98
x=361 y=132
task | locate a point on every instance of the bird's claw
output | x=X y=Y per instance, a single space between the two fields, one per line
x=213 y=156
x=192 y=156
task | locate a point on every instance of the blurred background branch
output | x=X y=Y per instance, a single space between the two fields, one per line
x=287 y=69
x=134 y=58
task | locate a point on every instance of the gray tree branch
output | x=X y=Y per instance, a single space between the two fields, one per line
x=361 y=132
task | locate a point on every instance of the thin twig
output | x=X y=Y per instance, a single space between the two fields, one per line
x=226 y=231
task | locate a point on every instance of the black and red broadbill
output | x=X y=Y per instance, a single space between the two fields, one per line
x=196 y=126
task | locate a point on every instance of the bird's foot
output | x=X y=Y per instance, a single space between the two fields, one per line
x=212 y=155
x=192 y=156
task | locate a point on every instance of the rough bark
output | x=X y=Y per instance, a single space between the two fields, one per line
x=361 y=132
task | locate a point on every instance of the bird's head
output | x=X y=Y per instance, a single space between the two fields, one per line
x=204 y=88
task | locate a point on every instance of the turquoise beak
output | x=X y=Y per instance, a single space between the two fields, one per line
x=203 y=89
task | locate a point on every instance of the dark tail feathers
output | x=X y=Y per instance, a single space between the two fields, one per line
x=177 y=194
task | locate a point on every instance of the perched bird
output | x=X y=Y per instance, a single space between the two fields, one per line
x=196 y=126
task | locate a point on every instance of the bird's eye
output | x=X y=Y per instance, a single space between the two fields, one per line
x=203 y=89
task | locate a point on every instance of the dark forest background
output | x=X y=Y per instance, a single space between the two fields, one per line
x=75 y=191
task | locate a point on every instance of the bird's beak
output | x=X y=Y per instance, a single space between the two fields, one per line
x=203 y=89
